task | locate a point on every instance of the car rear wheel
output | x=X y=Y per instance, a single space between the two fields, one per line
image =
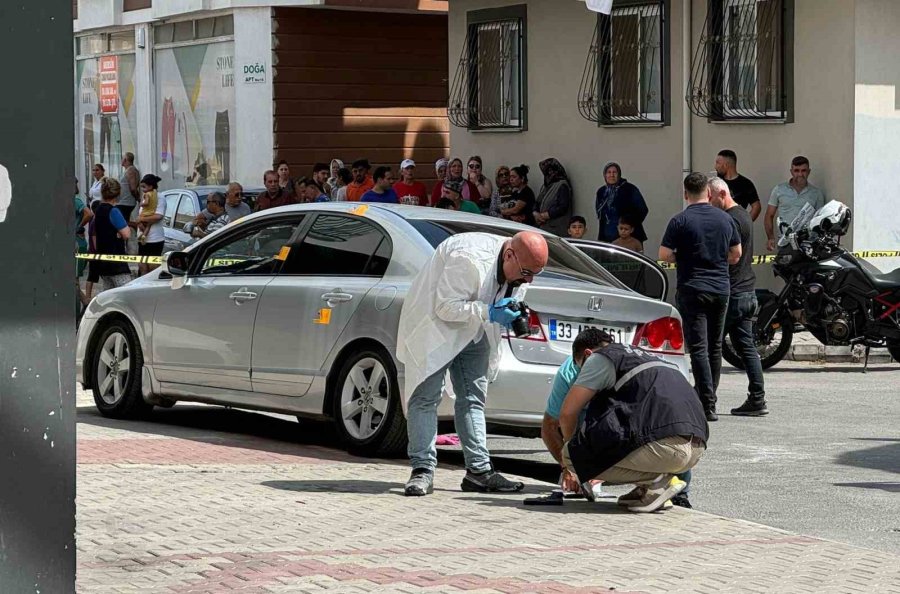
x=118 y=362
x=366 y=405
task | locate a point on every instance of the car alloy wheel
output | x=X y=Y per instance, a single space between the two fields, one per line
x=113 y=367
x=365 y=398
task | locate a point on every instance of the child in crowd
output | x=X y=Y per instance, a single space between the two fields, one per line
x=626 y=239
x=577 y=226
x=149 y=200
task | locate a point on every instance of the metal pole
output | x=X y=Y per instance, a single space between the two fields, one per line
x=37 y=316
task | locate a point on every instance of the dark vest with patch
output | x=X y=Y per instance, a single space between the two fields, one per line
x=651 y=400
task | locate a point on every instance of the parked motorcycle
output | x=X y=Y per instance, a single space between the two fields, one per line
x=839 y=298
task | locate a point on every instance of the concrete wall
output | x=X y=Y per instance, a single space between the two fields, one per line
x=877 y=128
x=559 y=34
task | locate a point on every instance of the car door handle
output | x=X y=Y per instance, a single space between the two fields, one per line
x=242 y=295
x=336 y=297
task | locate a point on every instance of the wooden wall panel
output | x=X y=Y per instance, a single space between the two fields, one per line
x=352 y=84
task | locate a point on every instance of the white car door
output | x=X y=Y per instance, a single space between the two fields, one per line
x=202 y=331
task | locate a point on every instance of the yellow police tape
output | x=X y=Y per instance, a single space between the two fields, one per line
x=765 y=259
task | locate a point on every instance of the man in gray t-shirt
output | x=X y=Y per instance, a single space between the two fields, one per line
x=235 y=207
x=789 y=198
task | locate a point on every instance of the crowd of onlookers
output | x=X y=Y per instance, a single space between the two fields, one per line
x=125 y=215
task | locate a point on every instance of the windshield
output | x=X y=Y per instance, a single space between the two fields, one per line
x=564 y=260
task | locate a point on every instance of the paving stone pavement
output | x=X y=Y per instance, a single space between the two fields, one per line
x=163 y=508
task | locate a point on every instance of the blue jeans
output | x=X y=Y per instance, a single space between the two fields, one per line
x=468 y=374
x=739 y=327
x=703 y=315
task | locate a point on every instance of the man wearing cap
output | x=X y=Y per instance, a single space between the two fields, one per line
x=381 y=191
x=452 y=190
x=362 y=181
x=410 y=191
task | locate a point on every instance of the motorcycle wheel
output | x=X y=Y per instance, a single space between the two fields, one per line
x=772 y=347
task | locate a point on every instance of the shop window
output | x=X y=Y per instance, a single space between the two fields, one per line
x=741 y=68
x=185 y=31
x=102 y=43
x=488 y=91
x=625 y=77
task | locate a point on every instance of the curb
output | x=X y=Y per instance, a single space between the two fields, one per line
x=836 y=354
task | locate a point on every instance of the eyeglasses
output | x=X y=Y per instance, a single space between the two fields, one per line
x=474 y=166
x=524 y=271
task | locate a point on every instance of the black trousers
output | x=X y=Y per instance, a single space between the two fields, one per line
x=703 y=315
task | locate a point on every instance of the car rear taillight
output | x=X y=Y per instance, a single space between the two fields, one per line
x=534 y=324
x=663 y=335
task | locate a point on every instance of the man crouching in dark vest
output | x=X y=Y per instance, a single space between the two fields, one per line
x=643 y=425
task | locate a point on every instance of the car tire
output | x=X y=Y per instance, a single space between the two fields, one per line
x=117 y=386
x=366 y=405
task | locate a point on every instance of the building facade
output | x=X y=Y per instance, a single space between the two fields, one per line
x=660 y=86
x=227 y=87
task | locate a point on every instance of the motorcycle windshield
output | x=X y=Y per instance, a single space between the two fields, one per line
x=800 y=222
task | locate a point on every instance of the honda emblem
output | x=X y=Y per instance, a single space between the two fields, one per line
x=595 y=303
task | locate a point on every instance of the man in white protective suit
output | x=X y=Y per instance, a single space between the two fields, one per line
x=451 y=321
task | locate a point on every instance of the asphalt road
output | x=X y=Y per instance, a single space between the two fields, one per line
x=825 y=462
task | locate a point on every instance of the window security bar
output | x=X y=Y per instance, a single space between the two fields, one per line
x=737 y=72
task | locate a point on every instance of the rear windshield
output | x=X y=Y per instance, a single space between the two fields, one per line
x=564 y=261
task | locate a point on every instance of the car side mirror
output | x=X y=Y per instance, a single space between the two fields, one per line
x=188 y=228
x=176 y=264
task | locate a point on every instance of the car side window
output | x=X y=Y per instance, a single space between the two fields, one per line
x=185 y=212
x=257 y=251
x=171 y=206
x=340 y=246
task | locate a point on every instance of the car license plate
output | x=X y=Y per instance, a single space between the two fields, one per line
x=567 y=330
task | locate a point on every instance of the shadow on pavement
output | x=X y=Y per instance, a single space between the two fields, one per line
x=339 y=486
x=889 y=487
x=884 y=457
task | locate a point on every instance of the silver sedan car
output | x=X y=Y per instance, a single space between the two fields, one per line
x=295 y=310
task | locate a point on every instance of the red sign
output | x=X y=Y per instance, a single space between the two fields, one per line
x=109 y=84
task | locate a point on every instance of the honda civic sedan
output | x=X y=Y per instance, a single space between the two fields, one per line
x=295 y=310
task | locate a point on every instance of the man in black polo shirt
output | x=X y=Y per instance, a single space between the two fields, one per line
x=702 y=241
x=742 y=304
x=742 y=189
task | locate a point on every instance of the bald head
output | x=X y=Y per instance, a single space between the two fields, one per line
x=524 y=256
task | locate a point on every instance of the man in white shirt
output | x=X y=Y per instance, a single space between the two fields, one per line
x=451 y=321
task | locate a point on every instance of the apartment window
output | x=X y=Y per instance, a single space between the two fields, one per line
x=488 y=91
x=742 y=67
x=104 y=43
x=187 y=31
x=625 y=77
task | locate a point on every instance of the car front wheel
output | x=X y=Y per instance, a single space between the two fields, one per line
x=118 y=362
x=366 y=405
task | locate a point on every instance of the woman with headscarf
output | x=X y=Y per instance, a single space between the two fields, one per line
x=454 y=169
x=502 y=191
x=617 y=198
x=553 y=207
x=334 y=180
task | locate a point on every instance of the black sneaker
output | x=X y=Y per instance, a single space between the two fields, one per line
x=753 y=407
x=420 y=483
x=681 y=500
x=490 y=482
x=711 y=415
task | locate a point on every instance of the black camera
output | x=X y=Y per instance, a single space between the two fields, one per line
x=520 y=325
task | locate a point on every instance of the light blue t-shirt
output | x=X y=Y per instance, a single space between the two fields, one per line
x=564 y=379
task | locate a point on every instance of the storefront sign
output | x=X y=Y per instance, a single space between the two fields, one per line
x=109 y=84
x=253 y=73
